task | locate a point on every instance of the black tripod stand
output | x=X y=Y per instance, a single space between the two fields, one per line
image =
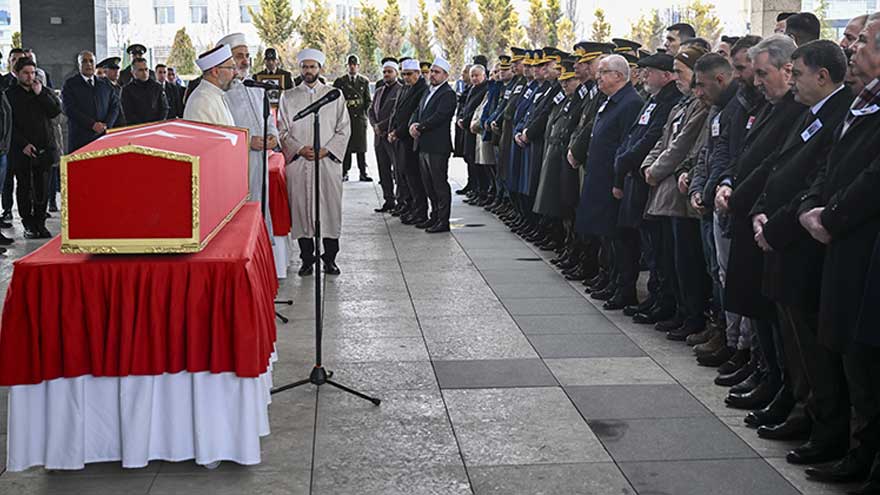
x=320 y=376
x=263 y=207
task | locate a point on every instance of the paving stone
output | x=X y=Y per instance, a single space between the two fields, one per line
x=718 y=477
x=584 y=345
x=549 y=479
x=607 y=371
x=574 y=305
x=493 y=373
x=635 y=402
x=587 y=323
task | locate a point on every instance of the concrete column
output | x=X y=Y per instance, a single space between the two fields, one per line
x=764 y=13
x=58 y=30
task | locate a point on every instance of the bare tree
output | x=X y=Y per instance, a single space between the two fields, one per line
x=223 y=15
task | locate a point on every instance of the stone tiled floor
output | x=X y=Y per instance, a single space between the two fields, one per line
x=497 y=377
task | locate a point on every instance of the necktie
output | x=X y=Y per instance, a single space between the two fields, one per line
x=91 y=82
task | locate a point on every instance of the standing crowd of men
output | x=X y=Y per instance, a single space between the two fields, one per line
x=740 y=177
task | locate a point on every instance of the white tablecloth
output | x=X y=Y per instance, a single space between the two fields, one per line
x=68 y=422
x=280 y=249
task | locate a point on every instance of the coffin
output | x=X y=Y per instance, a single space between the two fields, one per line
x=166 y=187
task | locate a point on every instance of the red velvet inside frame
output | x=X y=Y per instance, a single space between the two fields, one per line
x=141 y=197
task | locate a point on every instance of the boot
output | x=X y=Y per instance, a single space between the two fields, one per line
x=749 y=383
x=737 y=361
x=736 y=377
x=775 y=413
x=711 y=346
x=717 y=358
x=702 y=337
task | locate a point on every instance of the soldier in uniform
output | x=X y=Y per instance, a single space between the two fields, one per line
x=425 y=68
x=502 y=129
x=356 y=90
x=136 y=51
x=110 y=67
x=270 y=59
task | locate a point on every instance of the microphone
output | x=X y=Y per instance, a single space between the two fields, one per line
x=314 y=107
x=250 y=83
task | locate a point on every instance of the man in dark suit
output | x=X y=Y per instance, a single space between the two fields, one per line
x=429 y=127
x=173 y=92
x=771 y=60
x=841 y=211
x=7 y=81
x=407 y=159
x=380 y=119
x=143 y=99
x=90 y=103
x=793 y=260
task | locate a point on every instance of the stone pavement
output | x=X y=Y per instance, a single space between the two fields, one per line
x=497 y=377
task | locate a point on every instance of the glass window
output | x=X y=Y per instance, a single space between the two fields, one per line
x=163 y=11
x=198 y=11
x=118 y=11
x=244 y=14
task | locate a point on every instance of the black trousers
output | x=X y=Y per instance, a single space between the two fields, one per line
x=862 y=370
x=664 y=249
x=32 y=194
x=816 y=375
x=8 y=195
x=693 y=282
x=408 y=164
x=385 y=162
x=435 y=177
x=362 y=162
x=626 y=253
x=307 y=249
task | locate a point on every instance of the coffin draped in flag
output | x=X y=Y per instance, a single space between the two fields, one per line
x=167 y=187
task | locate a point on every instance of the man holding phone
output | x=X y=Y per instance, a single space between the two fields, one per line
x=33 y=149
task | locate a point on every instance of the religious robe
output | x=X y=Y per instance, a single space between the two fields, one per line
x=206 y=104
x=246 y=106
x=335 y=133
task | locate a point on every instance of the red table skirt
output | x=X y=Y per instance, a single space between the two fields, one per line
x=279 y=204
x=69 y=315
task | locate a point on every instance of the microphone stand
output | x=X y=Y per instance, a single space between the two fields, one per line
x=319 y=375
x=265 y=174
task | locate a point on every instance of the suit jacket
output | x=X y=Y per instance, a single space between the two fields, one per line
x=433 y=119
x=84 y=105
x=383 y=106
x=143 y=102
x=174 y=96
x=407 y=102
x=793 y=269
x=847 y=188
x=742 y=291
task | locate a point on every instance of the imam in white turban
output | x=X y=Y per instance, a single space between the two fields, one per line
x=410 y=65
x=214 y=57
x=310 y=54
x=233 y=40
x=442 y=63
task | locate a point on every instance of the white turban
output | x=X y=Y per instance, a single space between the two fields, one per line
x=233 y=40
x=214 y=57
x=410 y=65
x=442 y=63
x=391 y=64
x=310 y=54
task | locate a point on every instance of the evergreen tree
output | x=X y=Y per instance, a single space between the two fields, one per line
x=553 y=13
x=827 y=32
x=392 y=30
x=493 y=37
x=182 y=55
x=537 y=28
x=517 y=35
x=601 y=27
x=649 y=30
x=702 y=17
x=366 y=36
x=336 y=48
x=16 y=39
x=420 y=37
x=565 y=32
x=313 y=25
x=274 y=22
x=453 y=26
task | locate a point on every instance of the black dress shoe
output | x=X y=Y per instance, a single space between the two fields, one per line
x=6 y=216
x=385 y=208
x=618 y=302
x=306 y=269
x=366 y=178
x=578 y=274
x=737 y=361
x=796 y=428
x=654 y=316
x=602 y=295
x=463 y=190
x=734 y=378
x=53 y=207
x=5 y=241
x=717 y=358
x=437 y=228
x=750 y=383
x=330 y=268
x=345 y=178
x=5 y=225
x=702 y=337
x=44 y=233
x=854 y=466
x=776 y=413
x=425 y=224
x=668 y=325
x=681 y=334
x=811 y=453
x=756 y=399
x=413 y=220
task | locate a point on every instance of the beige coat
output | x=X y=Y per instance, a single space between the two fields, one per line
x=485 y=152
x=672 y=155
x=335 y=132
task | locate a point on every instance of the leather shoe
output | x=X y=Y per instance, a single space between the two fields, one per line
x=5 y=241
x=668 y=325
x=776 y=413
x=681 y=334
x=701 y=337
x=330 y=268
x=618 y=302
x=366 y=178
x=413 y=220
x=654 y=316
x=5 y=225
x=385 y=208
x=437 y=228
x=643 y=307
x=44 y=233
x=718 y=341
x=425 y=224
x=737 y=361
x=854 y=466
x=756 y=399
x=750 y=383
x=306 y=269
x=602 y=295
x=811 y=453
x=794 y=428
x=734 y=378
x=578 y=274
x=717 y=358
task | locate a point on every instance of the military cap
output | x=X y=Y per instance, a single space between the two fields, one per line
x=504 y=61
x=270 y=54
x=518 y=54
x=586 y=51
x=631 y=59
x=644 y=53
x=354 y=60
x=622 y=45
x=659 y=61
x=109 y=63
x=136 y=48
x=566 y=69
x=552 y=54
x=425 y=67
x=480 y=60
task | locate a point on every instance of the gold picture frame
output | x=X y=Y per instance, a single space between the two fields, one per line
x=278 y=80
